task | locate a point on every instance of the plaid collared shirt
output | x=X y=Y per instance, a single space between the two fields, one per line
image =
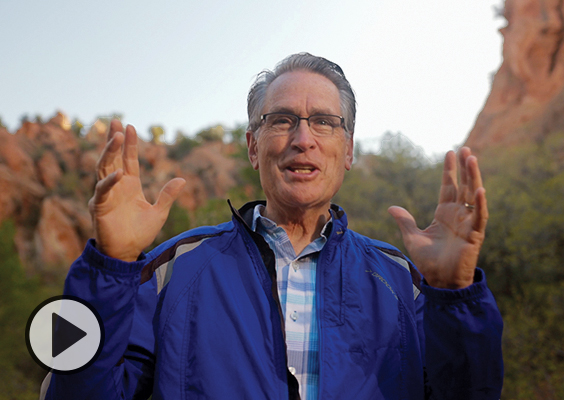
x=295 y=276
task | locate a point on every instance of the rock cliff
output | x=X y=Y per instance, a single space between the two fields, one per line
x=526 y=102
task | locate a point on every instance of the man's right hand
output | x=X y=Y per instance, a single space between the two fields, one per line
x=124 y=222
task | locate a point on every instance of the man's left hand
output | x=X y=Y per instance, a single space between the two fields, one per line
x=446 y=252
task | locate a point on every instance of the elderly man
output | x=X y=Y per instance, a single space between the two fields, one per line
x=285 y=301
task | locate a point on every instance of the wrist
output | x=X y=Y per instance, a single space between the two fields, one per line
x=122 y=256
x=452 y=282
x=451 y=296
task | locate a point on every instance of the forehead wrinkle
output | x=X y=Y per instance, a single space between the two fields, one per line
x=297 y=110
x=284 y=95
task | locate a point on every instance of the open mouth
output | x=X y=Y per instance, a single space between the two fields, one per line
x=302 y=170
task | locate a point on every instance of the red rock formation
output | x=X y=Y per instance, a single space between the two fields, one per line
x=527 y=97
x=14 y=155
x=49 y=171
x=57 y=233
x=47 y=176
x=209 y=162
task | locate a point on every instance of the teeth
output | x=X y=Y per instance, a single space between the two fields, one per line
x=302 y=170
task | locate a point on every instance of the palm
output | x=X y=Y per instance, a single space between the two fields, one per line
x=124 y=222
x=446 y=252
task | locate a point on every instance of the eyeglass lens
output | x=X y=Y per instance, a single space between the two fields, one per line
x=323 y=125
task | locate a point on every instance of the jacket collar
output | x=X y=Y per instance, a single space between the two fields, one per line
x=245 y=215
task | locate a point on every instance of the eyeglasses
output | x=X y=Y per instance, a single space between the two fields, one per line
x=279 y=123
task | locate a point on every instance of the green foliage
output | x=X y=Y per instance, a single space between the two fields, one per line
x=238 y=135
x=524 y=249
x=77 y=127
x=19 y=295
x=525 y=236
x=399 y=175
x=532 y=342
x=182 y=147
x=211 y=134
x=214 y=212
x=523 y=256
x=178 y=221
x=157 y=132
x=249 y=178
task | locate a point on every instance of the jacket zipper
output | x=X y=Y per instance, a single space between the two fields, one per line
x=281 y=337
x=319 y=300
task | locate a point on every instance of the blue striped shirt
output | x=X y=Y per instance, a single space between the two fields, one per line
x=295 y=275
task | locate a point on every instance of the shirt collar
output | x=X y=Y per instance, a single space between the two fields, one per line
x=270 y=226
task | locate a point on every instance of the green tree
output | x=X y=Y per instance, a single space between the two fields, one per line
x=400 y=175
x=238 y=135
x=182 y=146
x=157 y=133
x=19 y=295
x=523 y=256
x=215 y=133
x=77 y=127
x=523 y=252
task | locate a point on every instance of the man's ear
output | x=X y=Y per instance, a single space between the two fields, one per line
x=252 y=149
x=349 y=157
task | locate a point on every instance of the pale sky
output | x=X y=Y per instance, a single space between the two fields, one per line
x=422 y=68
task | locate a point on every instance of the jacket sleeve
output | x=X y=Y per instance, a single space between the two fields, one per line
x=462 y=345
x=124 y=369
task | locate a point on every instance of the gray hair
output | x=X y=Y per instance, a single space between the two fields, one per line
x=307 y=62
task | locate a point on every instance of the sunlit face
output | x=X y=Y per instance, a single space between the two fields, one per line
x=300 y=170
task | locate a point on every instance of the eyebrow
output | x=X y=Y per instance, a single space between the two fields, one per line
x=282 y=110
x=287 y=110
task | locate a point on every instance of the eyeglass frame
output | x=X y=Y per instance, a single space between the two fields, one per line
x=341 y=118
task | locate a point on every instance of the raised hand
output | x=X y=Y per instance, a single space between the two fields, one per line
x=124 y=222
x=447 y=251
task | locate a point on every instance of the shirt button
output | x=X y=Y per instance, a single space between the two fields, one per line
x=295 y=265
x=294 y=316
x=292 y=370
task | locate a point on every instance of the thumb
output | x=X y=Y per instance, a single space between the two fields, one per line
x=405 y=221
x=169 y=193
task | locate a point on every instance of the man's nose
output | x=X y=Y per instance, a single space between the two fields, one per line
x=303 y=137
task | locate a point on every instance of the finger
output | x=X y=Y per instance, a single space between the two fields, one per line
x=480 y=213
x=109 y=160
x=465 y=195
x=474 y=175
x=115 y=126
x=169 y=193
x=104 y=187
x=405 y=221
x=130 y=152
x=449 y=187
x=463 y=154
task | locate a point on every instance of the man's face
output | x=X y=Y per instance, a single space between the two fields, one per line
x=300 y=170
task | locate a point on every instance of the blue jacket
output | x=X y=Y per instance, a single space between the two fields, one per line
x=199 y=318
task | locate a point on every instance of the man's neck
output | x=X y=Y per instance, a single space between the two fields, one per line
x=302 y=226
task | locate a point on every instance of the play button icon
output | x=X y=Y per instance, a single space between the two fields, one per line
x=64 y=334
